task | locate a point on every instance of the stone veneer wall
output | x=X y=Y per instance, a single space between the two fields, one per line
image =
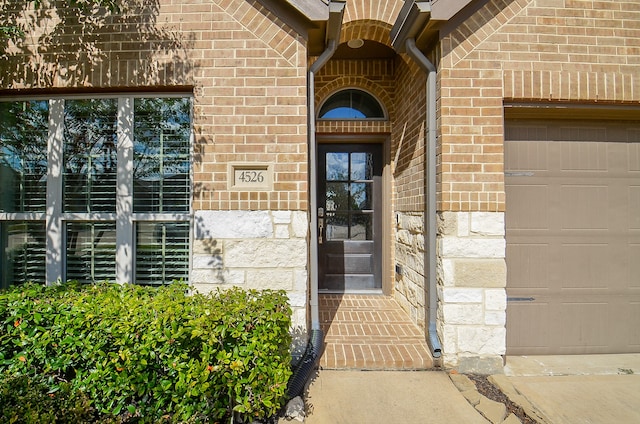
x=253 y=250
x=410 y=255
x=471 y=273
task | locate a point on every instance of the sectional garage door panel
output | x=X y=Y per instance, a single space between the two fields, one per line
x=572 y=217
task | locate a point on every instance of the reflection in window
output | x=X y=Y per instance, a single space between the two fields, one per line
x=162 y=252
x=83 y=202
x=348 y=195
x=23 y=252
x=161 y=155
x=23 y=156
x=90 y=249
x=90 y=155
x=351 y=104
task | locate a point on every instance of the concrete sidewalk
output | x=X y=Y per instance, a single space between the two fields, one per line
x=574 y=389
x=571 y=389
x=371 y=397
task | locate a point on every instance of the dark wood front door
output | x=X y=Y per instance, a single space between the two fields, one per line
x=349 y=217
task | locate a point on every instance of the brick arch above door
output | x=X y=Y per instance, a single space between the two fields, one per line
x=355 y=126
x=380 y=92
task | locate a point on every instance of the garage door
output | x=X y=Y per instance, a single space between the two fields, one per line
x=573 y=236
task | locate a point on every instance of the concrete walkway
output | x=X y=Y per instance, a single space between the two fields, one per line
x=575 y=389
x=368 y=397
x=570 y=389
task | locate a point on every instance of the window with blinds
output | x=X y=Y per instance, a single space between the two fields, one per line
x=23 y=252
x=95 y=189
x=162 y=252
x=23 y=156
x=161 y=148
x=90 y=155
x=90 y=251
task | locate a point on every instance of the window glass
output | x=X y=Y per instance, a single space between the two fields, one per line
x=23 y=156
x=23 y=252
x=351 y=104
x=90 y=249
x=162 y=252
x=84 y=201
x=90 y=155
x=161 y=147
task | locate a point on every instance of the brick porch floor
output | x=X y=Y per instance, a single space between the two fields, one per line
x=370 y=332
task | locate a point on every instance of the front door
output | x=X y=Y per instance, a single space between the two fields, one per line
x=349 y=217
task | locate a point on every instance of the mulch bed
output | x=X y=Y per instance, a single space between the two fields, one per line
x=490 y=391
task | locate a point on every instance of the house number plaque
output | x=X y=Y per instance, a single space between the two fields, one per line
x=251 y=177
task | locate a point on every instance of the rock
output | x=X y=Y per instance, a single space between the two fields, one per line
x=462 y=382
x=472 y=396
x=492 y=410
x=512 y=419
x=295 y=409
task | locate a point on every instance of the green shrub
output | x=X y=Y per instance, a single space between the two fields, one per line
x=131 y=353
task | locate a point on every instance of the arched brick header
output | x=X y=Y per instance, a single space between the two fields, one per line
x=359 y=83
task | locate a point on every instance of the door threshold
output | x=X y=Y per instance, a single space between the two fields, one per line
x=369 y=291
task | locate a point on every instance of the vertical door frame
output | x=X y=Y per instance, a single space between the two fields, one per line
x=387 y=193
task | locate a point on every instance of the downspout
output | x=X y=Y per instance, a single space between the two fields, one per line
x=302 y=371
x=430 y=217
x=332 y=45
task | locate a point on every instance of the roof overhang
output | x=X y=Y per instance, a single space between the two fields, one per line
x=315 y=20
x=410 y=23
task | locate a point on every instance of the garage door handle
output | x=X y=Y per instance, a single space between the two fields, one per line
x=520 y=299
x=518 y=174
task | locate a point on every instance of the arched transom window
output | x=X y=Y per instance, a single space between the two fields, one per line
x=351 y=104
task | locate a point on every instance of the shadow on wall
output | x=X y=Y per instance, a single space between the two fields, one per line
x=208 y=252
x=89 y=43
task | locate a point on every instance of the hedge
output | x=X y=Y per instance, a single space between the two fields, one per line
x=125 y=353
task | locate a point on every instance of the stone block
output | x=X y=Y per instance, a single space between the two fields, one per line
x=462 y=295
x=485 y=365
x=495 y=299
x=481 y=340
x=269 y=279
x=265 y=253
x=487 y=223
x=281 y=231
x=472 y=396
x=207 y=261
x=492 y=410
x=299 y=224
x=300 y=280
x=448 y=337
x=462 y=220
x=281 y=217
x=454 y=247
x=462 y=382
x=463 y=314
x=447 y=223
x=495 y=317
x=475 y=272
x=512 y=419
x=232 y=224
x=297 y=299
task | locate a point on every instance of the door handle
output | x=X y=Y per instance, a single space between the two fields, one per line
x=320 y=224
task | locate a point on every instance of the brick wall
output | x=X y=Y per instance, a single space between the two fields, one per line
x=246 y=69
x=525 y=50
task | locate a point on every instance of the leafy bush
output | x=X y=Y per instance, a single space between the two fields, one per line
x=127 y=353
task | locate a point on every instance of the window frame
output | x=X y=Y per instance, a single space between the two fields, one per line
x=56 y=219
x=385 y=114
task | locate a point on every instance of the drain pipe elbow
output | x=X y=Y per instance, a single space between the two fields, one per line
x=430 y=216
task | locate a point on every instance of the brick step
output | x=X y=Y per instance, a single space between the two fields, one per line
x=370 y=332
